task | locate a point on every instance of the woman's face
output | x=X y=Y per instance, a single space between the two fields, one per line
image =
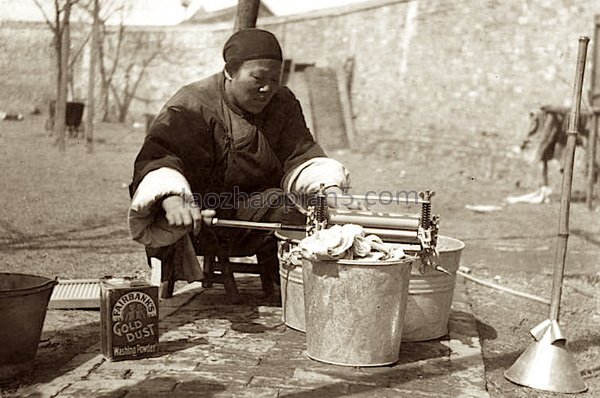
x=254 y=84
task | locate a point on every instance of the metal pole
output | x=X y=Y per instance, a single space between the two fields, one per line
x=565 y=201
x=61 y=101
x=246 y=15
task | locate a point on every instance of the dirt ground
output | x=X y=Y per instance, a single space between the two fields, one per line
x=64 y=215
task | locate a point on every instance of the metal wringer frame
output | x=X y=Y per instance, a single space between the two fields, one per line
x=417 y=233
x=414 y=233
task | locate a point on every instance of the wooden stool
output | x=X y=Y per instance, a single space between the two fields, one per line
x=219 y=269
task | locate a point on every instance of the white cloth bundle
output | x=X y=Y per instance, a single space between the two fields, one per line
x=346 y=242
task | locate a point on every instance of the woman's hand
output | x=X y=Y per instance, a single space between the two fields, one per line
x=180 y=212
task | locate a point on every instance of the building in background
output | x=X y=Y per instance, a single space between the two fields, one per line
x=172 y=12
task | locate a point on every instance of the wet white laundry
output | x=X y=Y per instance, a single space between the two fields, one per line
x=346 y=241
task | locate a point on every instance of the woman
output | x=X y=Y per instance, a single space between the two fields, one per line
x=232 y=145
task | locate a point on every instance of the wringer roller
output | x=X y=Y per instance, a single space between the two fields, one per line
x=414 y=233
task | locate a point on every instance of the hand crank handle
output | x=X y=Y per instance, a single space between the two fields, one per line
x=266 y=226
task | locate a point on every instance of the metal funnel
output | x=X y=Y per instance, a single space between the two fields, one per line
x=547 y=364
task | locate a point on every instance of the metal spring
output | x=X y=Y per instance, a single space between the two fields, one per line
x=320 y=208
x=426 y=209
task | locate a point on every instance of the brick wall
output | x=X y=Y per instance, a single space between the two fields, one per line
x=446 y=66
x=26 y=67
x=422 y=68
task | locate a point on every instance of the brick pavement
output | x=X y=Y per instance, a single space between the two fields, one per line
x=209 y=348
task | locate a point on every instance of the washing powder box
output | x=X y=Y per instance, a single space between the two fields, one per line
x=129 y=318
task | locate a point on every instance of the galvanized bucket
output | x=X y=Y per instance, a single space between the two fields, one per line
x=430 y=295
x=292 y=296
x=355 y=310
x=23 y=304
x=291 y=283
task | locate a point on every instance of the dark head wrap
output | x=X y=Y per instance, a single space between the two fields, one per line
x=249 y=44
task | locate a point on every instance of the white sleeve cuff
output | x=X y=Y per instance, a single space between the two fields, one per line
x=158 y=184
x=308 y=176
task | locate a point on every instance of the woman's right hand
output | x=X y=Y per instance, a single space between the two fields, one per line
x=180 y=212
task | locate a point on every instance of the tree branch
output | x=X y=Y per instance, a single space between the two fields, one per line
x=115 y=94
x=101 y=53
x=117 y=51
x=76 y=54
x=143 y=71
x=109 y=12
x=46 y=18
x=58 y=30
x=59 y=10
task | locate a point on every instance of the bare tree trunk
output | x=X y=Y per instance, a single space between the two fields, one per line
x=89 y=126
x=58 y=49
x=104 y=87
x=105 y=103
x=108 y=75
x=247 y=13
x=61 y=101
